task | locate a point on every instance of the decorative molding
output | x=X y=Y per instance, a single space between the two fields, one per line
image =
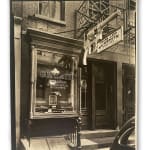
x=17 y=20
x=49 y=41
x=51 y=20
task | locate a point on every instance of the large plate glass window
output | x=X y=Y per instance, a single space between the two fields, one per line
x=56 y=84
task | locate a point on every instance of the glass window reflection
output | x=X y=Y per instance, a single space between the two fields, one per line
x=56 y=83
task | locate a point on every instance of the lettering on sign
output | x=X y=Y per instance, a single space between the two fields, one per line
x=97 y=45
x=110 y=40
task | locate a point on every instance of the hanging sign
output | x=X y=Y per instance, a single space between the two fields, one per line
x=110 y=40
x=93 y=40
x=97 y=45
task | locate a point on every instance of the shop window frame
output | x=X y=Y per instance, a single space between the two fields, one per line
x=33 y=114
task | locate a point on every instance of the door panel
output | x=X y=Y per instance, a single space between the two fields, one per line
x=100 y=102
x=100 y=96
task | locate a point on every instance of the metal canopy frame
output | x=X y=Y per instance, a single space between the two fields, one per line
x=92 y=12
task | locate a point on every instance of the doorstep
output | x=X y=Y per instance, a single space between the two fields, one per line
x=97 y=139
x=100 y=133
x=96 y=143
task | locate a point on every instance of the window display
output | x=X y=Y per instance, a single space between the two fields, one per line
x=56 y=83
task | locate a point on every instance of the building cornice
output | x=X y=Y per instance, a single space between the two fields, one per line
x=39 y=35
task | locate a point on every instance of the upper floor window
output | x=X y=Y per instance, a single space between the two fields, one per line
x=52 y=9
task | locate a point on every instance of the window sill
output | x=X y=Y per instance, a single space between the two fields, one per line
x=51 y=20
x=48 y=116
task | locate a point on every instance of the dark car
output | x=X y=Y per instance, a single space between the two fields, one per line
x=125 y=139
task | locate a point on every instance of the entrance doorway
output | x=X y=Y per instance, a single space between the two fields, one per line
x=102 y=94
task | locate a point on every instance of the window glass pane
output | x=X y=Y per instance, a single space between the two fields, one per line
x=58 y=10
x=52 y=9
x=56 y=83
x=44 y=8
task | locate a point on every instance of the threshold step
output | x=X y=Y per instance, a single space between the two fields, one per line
x=98 y=133
x=96 y=143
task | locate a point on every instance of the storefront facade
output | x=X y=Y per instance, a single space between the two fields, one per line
x=53 y=75
x=55 y=89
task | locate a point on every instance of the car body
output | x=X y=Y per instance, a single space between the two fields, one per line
x=125 y=139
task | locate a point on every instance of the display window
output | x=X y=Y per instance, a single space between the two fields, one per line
x=56 y=84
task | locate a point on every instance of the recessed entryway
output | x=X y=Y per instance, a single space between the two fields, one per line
x=101 y=94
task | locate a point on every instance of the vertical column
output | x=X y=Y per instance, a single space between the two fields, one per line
x=80 y=92
x=17 y=61
x=72 y=83
x=33 y=79
x=119 y=94
x=93 y=99
x=79 y=133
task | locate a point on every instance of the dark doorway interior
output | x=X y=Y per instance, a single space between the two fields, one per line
x=102 y=94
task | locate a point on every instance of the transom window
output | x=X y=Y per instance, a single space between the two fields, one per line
x=52 y=9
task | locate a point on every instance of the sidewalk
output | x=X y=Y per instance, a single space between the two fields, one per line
x=107 y=148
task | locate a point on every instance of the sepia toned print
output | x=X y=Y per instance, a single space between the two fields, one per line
x=74 y=74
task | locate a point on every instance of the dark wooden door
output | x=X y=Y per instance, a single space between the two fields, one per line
x=103 y=90
x=128 y=91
